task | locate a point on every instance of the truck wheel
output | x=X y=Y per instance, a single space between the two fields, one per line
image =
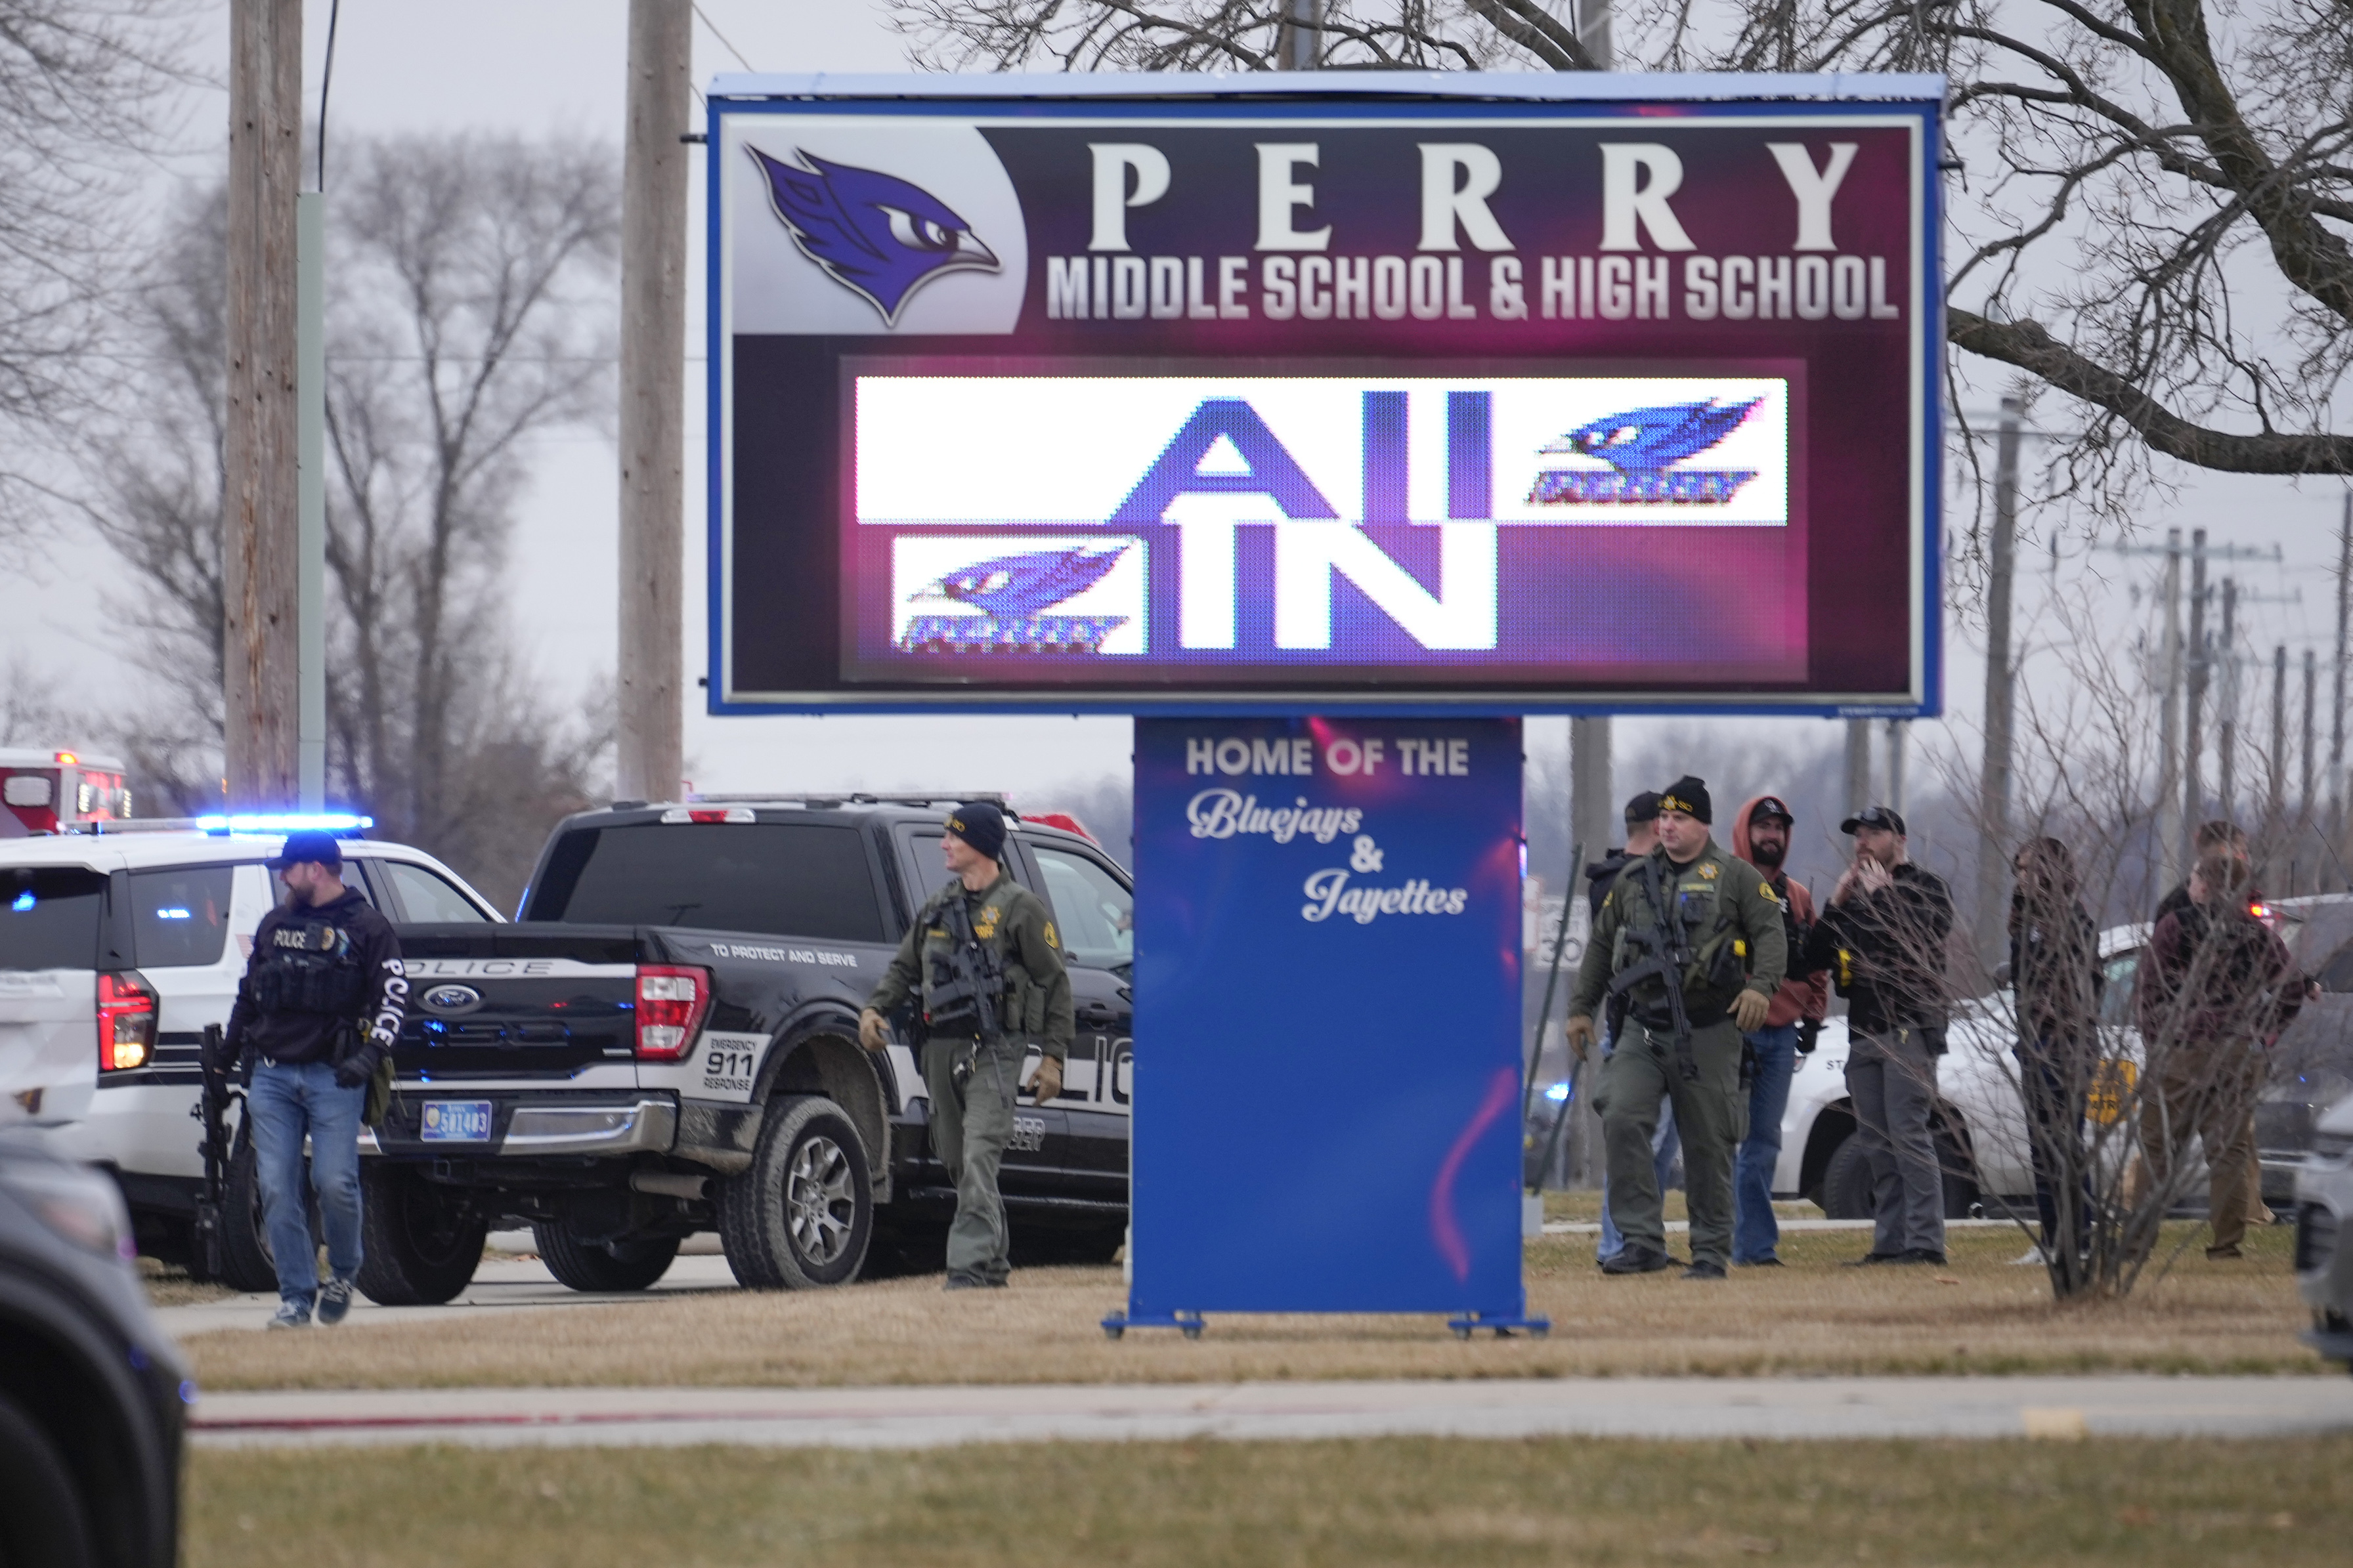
x=602 y=1267
x=802 y=1217
x=419 y=1241
x=245 y=1240
x=44 y=1522
x=1846 y=1183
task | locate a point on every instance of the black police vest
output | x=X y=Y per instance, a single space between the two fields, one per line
x=309 y=968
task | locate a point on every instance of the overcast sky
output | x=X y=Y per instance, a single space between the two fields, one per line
x=554 y=67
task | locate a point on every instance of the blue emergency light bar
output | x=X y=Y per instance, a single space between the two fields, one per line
x=292 y=822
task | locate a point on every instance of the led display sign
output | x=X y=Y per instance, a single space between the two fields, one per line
x=1479 y=400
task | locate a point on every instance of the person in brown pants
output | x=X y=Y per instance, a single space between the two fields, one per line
x=2217 y=988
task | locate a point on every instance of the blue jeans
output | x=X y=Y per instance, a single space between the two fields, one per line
x=1664 y=1146
x=1755 y=1231
x=286 y=1102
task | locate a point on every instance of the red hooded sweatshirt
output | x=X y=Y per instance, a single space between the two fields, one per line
x=1802 y=995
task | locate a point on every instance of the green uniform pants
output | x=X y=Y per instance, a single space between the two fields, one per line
x=1710 y=1113
x=970 y=1128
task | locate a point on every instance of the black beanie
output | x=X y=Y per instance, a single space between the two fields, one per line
x=980 y=825
x=1689 y=795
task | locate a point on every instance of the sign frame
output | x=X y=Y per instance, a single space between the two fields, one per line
x=1913 y=103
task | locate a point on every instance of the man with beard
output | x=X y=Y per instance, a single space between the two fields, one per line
x=2216 y=988
x=1883 y=938
x=1760 y=835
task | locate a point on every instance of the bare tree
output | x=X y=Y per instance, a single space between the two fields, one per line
x=470 y=284
x=2190 y=187
x=470 y=314
x=1238 y=35
x=81 y=86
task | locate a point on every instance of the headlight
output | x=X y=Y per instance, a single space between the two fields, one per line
x=2330 y=1151
x=79 y=1205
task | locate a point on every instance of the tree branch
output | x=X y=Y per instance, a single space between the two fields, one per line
x=2031 y=349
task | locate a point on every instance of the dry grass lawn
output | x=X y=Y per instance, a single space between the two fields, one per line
x=2201 y=1504
x=1980 y=1315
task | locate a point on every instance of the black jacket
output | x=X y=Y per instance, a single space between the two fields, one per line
x=360 y=946
x=2054 y=970
x=1599 y=875
x=1886 y=951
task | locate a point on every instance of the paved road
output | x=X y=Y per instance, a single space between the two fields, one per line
x=2058 y=1407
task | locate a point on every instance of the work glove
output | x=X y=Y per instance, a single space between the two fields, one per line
x=1048 y=1085
x=354 y=1070
x=871 y=1032
x=1748 y=1010
x=1810 y=1035
x=1580 y=1036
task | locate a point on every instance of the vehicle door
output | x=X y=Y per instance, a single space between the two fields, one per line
x=52 y=921
x=1035 y=1160
x=1094 y=911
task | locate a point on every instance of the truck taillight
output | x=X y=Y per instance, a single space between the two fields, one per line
x=671 y=1001
x=126 y=1021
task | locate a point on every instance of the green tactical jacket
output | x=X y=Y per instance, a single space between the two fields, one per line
x=1732 y=920
x=1036 y=1006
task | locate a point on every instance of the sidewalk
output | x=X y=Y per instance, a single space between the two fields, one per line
x=919 y=1417
x=501 y=1285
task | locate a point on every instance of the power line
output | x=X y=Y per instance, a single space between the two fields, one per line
x=704 y=18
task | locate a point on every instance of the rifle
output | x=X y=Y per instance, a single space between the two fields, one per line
x=1669 y=946
x=211 y=1110
x=975 y=978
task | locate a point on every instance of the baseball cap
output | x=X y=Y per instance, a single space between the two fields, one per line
x=1772 y=806
x=312 y=848
x=1875 y=816
x=1643 y=807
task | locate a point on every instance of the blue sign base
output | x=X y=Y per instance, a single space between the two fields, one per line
x=1464 y=1326
x=1328 y=1070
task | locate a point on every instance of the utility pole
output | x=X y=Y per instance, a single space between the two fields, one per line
x=1899 y=734
x=1299 y=41
x=2276 y=813
x=2193 y=749
x=2226 y=740
x=2309 y=683
x=2337 y=719
x=2171 y=852
x=651 y=734
x=1593 y=32
x=1994 y=782
x=260 y=544
x=1857 y=765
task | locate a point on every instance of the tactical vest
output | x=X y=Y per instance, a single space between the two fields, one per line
x=1718 y=963
x=956 y=979
x=311 y=967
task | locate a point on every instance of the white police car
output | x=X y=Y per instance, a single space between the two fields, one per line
x=119 y=941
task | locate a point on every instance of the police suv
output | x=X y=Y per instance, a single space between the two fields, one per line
x=665 y=1042
x=119 y=941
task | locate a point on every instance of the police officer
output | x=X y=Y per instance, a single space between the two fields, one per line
x=321 y=1005
x=983 y=958
x=1691 y=937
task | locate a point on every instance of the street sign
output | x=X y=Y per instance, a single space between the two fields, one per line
x=1423 y=393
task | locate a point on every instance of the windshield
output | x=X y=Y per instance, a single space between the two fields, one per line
x=780 y=879
x=50 y=919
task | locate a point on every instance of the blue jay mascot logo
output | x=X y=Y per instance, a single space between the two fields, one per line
x=872 y=233
x=1011 y=592
x=1638 y=445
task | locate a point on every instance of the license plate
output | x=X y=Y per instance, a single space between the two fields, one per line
x=457 y=1121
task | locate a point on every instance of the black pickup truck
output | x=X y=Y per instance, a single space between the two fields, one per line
x=666 y=1043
